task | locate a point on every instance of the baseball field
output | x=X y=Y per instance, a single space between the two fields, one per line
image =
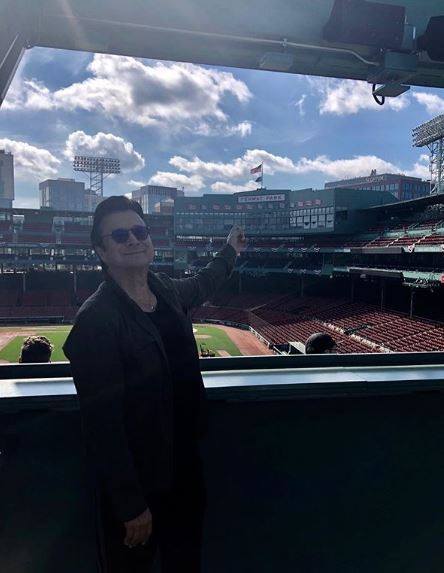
x=11 y=339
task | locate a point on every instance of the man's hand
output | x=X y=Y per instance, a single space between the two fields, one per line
x=138 y=530
x=237 y=239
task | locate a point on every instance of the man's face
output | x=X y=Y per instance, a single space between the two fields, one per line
x=132 y=253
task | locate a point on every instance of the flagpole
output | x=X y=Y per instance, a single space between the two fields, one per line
x=262 y=175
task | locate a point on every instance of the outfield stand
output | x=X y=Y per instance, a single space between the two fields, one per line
x=200 y=242
x=34 y=298
x=82 y=295
x=59 y=298
x=37 y=226
x=161 y=243
x=19 y=306
x=76 y=240
x=8 y=298
x=36 y=238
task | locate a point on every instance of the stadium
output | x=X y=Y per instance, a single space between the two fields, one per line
x=319 y=463
x=359 y=264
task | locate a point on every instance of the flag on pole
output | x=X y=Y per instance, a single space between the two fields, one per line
x=257 y=169
x=258 y=180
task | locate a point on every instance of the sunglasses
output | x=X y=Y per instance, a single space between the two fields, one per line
x=141 y=233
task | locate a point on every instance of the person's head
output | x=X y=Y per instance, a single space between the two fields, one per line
x=36 y=349
x=119 y=235
x=320 y=343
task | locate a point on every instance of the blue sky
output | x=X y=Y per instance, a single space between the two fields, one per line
x=201 y=127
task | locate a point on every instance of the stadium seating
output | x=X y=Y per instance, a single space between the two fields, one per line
x=201 y=242
x=35 y=298
x=71 y=227
x=355 y=326
x=59 y=298
x=76 y=240
x=82 y=295
x=36 y=238
x=8 y=298
x=37 y=226
x=161 y=243
x=432 y=240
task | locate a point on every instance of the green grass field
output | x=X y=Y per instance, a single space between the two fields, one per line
x=217 y=340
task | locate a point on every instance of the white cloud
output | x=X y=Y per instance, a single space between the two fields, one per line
x=300 y=104
x=346 y=97
x=134 y=183
x=27 y=202
x=229 y=175
x=240 y=167
x=197 y=174
x=344 y=168
x=421 y=168
x=215 y=128
x=30 y=94
x=243 y=129
x=432 y=102
x=172 y=95
x=224 y=187
x=31 y=162
x=104 y=145
x=170 y=179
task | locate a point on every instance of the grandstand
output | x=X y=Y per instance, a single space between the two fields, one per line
x=389 y=262
x=356 y=327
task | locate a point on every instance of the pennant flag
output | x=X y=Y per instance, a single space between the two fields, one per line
x=257 y=169
x=258 y=180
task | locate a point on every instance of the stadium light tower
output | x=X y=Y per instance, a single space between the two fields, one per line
x=431 y=134
x=98 y=168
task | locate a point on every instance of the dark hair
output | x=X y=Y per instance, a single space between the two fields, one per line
x=36 y=349
x=113 y=204
x=318 y=343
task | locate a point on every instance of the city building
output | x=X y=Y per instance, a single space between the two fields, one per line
x=65 y=195
x=91 y=200
x=165 y=207
x=401 y=186
x=6 y=179
x=150 y=196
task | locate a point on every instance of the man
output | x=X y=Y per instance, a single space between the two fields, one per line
x=320 y=343
x=36 y=349
x=135 y=365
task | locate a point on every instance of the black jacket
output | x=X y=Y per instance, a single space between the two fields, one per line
x=120 y=370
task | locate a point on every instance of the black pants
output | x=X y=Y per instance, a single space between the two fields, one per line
x=177 y=528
